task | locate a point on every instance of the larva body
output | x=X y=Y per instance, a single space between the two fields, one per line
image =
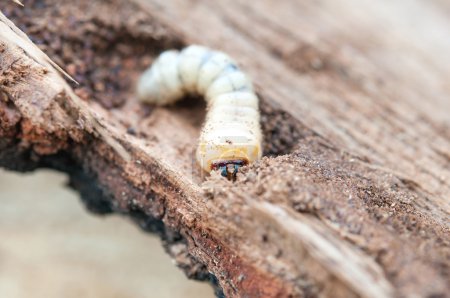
x=231 y=135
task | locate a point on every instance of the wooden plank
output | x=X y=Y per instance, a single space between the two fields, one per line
x=352 y=199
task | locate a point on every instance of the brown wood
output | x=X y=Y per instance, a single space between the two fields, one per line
x=352 y=198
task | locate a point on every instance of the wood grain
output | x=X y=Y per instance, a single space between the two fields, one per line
x=351 y=199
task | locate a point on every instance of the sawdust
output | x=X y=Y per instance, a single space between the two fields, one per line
x=372 y=209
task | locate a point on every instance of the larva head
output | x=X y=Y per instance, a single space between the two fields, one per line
x=220 y=149
x=228 y=168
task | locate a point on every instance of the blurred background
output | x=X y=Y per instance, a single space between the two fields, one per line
x=52 y=247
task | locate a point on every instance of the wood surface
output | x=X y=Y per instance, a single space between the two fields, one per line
x=352 y=198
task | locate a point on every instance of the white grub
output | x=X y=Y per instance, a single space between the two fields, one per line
x=231 y=131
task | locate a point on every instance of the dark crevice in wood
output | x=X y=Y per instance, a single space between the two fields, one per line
x=370 y=209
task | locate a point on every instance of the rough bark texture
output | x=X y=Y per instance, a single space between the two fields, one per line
x=352 y=196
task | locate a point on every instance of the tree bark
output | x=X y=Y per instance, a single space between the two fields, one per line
x=352 y=196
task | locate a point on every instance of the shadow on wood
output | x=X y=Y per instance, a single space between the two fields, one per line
x=350 y=199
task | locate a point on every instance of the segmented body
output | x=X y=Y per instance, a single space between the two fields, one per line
x=231 y=134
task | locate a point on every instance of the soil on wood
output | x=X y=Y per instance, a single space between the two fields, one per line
x=371 y=209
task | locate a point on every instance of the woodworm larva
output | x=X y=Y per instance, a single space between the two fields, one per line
x=231 y=135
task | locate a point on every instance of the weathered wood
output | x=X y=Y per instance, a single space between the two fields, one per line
x=353 y=196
